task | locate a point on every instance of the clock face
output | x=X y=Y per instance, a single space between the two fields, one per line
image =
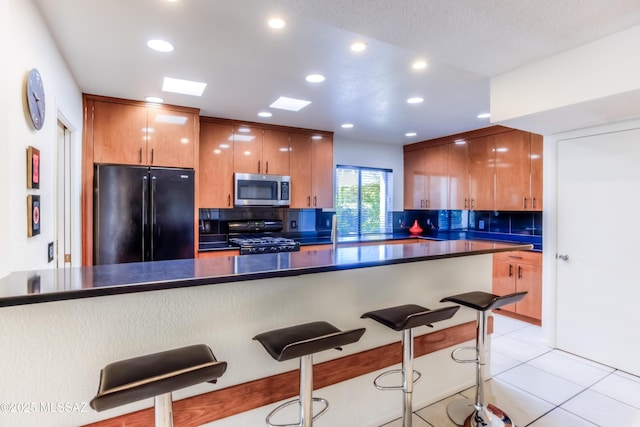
x=35 y=98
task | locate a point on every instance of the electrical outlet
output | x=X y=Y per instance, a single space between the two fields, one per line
x=294 y=224
x=50 y=252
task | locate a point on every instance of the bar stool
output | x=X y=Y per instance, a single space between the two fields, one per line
x=302 y=341
x=156 y=375
x=405 y=318
x=467 y=412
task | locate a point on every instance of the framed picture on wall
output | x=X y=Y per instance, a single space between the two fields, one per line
x=33 y=215
x=33 y=167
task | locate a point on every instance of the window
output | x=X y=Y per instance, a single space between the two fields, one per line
x=364 y=200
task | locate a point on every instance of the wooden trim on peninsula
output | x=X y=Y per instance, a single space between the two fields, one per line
x=205 y=408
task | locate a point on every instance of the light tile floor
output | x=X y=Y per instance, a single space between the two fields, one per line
x=538 y=386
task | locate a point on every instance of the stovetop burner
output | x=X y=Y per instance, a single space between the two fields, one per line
x=258 y=242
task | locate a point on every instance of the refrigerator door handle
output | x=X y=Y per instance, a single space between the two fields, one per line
x=145 y=216
x=154 y=225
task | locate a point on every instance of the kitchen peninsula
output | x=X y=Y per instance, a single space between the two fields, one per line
x=223 y=302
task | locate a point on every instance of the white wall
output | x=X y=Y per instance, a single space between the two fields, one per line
x=26 y=43
x=361 y=153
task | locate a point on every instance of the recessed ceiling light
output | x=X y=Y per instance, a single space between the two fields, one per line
x=314 y=78
x=290 y=104
x=185 y=87
x=415 y=100
x=347 y=125
x=154 y=99
x=484 y=115
x=419 y=65
x=276 y=23
x=160 y=45
x=358 y=46
x=410 y=134
x=265 y=114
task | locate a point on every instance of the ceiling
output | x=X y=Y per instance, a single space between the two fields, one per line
x=247 y=65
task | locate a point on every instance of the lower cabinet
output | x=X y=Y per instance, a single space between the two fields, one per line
x=516 y=272
x=218 y=254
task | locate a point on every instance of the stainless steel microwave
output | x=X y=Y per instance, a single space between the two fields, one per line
x=252 y=189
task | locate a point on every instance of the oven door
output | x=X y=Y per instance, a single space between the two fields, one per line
x=261 y=190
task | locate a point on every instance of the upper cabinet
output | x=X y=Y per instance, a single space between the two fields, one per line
x=494 y=168
x=482 y=174
x=216 y=165
x=426 y=178
x=133 y=133
x=311 y=170
x=262 y=151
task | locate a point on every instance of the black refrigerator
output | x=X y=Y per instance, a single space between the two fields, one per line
x=142 y=214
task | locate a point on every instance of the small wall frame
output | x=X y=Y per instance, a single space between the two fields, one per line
x=33 y=215
x=33 y=167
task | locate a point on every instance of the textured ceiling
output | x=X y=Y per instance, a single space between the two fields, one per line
x=247 y=66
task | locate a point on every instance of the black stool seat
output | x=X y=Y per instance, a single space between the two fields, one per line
x=410 y=316
x=301 y=340
x=130 y=380
x=483 y=301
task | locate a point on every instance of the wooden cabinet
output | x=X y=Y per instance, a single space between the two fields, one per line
x=216 y=165
x=137 y=134
x=482 y=174
x=311 y=170
x=426 y=178
x=516 y=272
x=458 y=170
x=536 y=172
x=219 y=254
x=258 y=150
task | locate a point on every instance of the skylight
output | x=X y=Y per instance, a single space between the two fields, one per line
x=290 y=104
x=185 y=87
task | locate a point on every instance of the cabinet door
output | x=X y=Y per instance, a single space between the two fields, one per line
x=171 y=138
x=247 y=149
x=435 y=166
x=119 y=133
x=504 y=280
x=512 y=166
x=482 y=174
x=414 y=180
x=216 y=165
x=275 y=153
x=322 y=172
x=300 y=145
x=536 y=172
x=458 y=170
x=529 y=279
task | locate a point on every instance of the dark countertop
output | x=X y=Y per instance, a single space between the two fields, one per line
x=29 y=287
x=219 y=242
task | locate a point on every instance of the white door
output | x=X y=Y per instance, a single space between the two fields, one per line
x=63 y=198
x=598 y=285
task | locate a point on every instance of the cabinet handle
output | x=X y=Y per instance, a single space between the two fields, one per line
x=524 y=203
x=266 y=168
x=465 y=203
x=426 y=203
x=309 y=201
x=473 y=203
x=534 y=202
x=152 y=152
x=510 y=270
x=140 y=155
x=258 y=166
x=228 y=199
x=519 y=272
x=315 y=200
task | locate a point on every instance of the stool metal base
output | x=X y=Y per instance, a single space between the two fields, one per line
x=299 y=402
x=463 y=413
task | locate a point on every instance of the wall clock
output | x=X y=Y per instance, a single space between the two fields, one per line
x=35 y=98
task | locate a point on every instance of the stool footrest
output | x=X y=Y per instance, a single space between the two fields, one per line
x=416 y=377
x=458 y=360
x=292 y=402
